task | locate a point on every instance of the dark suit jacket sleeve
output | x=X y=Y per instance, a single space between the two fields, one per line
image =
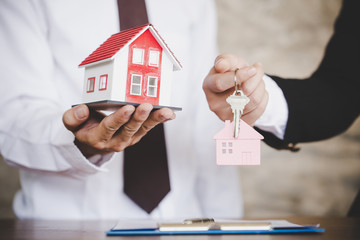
x=328 y=102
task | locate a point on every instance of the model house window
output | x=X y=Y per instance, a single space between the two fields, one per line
x=103 y=82
x=135 y=88
x=223 y=144
x=152 y=86
x=230 y=147
x=227 y=147
x=154 y=58
x=138 y=56
x=90 y=84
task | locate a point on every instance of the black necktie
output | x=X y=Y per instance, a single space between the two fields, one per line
x=146 y=175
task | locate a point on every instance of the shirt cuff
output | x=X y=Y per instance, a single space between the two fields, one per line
x=64 y=142
x=275 y=117
x=99 y=159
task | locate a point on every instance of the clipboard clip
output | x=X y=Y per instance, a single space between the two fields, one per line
x=207 y=224
x=198 y=220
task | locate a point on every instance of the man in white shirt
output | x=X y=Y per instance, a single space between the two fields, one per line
x=41 y=45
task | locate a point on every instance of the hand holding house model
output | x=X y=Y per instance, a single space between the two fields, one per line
x=237 y=143
x=130 y=75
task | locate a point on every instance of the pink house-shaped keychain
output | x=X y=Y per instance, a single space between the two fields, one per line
x=243 y=150
x=131 y=67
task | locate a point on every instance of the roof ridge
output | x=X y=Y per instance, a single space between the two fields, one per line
x=113 y=44
x=117 y=41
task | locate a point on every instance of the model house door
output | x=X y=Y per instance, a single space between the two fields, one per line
x=144 y=69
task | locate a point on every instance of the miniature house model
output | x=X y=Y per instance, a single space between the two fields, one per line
x=133 y=66
x=243 y=150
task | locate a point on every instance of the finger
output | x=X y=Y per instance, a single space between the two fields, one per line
x=75 y=116
x=217 y=103
x=251 y=117
x=256 y=97
x=251 y=79
x=220 y=82
x=158 y=116
x=254 y=88
x=228 y=62
x=225 y=113
x=128 y=130
x=112 y=123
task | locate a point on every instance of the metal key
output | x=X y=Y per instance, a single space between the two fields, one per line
x=237 y=103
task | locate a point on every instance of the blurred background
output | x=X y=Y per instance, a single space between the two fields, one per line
x=288 y=37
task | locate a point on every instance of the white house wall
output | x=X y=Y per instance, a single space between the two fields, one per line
x=166 y=80
x=96 y=71
x=120 y=75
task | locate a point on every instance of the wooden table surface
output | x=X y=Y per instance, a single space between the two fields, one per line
x=335 y=228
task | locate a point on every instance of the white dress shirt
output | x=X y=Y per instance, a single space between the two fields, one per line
x=41 y=45
x=275 y=117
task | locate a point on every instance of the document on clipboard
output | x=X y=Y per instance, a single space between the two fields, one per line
x=209 y=226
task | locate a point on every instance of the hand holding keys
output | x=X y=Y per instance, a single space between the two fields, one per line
x=237 y=103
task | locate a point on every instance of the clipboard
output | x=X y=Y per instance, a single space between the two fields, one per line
x=210 y=226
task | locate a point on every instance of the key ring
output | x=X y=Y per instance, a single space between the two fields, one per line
x=237 y=90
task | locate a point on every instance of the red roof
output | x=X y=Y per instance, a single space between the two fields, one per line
x=112 y=45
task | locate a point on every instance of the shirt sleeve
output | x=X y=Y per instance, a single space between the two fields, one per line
x=275 y=117
x=326 y=103
x=32 y=134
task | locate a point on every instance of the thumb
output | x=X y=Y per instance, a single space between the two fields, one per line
x=75 y=116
